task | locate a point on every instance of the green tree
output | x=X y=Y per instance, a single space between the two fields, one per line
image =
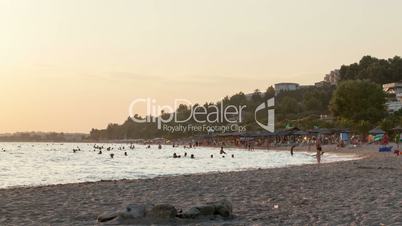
x=269 y=93
x=358 y=100
x=379 y=71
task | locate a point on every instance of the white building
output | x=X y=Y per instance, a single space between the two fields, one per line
x=286 y=86
x=394 y=90
x=393 y=106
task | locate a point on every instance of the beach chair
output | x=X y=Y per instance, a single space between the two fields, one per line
x=385 y=149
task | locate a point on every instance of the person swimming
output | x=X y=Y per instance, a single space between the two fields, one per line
x=212 y=156
x=192 y=156
x=232 y=156
x=160 y=146
x=111 y=155
x=222 y=152
x=174 y=155
x=185 y=154
x=125 y=153
x=100 y=152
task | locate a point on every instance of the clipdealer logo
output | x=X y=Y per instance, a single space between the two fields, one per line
x=269 y=106
x=202 y=115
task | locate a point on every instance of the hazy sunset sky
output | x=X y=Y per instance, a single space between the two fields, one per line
x=73 y=65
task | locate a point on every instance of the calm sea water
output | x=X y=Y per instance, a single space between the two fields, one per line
x=33 y=164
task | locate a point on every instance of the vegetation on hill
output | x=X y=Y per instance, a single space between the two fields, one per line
x=380 y=71
x=356 y=103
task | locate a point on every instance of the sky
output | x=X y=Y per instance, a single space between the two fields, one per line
x=73 y=65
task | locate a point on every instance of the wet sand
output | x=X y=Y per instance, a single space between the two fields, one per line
x=360 y=192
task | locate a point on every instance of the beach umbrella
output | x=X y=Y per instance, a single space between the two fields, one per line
x=378 y=137
x=376 y=131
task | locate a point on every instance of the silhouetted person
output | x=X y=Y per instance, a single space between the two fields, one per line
x=192 y=156
x=100 y=152
x=212 y=156
x=111 y=155
x=232 y=156
x=160 y=146
x=222 y=152
x=185 y=154
x=174 y=155
x=125 y=153
x=291 y=149
x=319 y=150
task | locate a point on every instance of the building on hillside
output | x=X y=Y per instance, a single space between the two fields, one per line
x=393 y=106
x=394 y=100
x=394 y=89
x=332 y=77
x=286 y=86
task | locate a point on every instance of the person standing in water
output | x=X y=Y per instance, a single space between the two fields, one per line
x=291 y=149
x=222 y=152
x=319 y=150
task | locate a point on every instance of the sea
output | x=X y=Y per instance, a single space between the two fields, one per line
x=37 y=164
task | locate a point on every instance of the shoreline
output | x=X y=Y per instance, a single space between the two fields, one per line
x=173 y=175
x=352 y=157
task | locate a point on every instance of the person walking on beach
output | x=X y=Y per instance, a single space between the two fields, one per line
x=222 y=152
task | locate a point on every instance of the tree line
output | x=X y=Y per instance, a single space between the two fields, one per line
x=357 y=103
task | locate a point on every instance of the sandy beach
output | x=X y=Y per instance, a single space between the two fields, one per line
x=359 y=192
